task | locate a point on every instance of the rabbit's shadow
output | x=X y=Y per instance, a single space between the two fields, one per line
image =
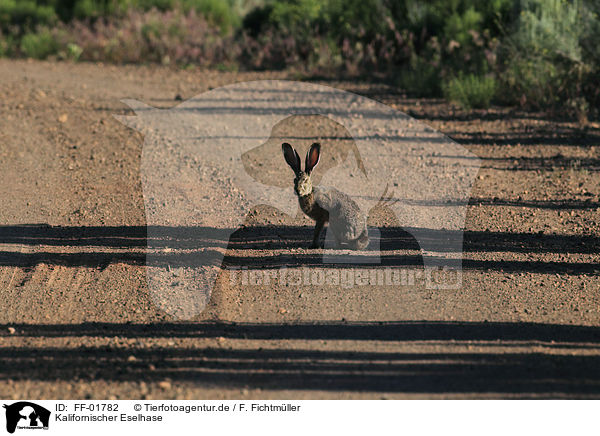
x=371 y=254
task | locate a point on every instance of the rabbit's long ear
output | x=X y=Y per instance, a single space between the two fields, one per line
x=312 y=157
x=291 y=157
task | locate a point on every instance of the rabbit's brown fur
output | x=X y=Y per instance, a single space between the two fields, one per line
x=346 y=221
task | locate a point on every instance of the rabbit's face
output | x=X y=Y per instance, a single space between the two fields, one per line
x=303 y=184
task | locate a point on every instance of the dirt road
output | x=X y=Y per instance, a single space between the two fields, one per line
x=77 y=320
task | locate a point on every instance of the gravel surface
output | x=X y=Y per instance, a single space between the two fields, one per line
x=77 y=319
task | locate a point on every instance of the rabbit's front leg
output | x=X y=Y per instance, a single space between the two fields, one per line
x=318 y=227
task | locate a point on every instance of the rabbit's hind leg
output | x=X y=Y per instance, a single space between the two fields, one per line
x=361 y=242
x=318 y=228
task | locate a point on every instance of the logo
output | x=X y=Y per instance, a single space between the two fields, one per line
x=26 y=415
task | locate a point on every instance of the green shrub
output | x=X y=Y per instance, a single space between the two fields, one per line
x=73 y=52
x=531 y=80
x=24 y=15
x=29 y=14
x=39 y=45
x=464 y=29
x=89 y=9
x=470 y=91
x=216 y=12
x=359 y=18
x=551 y=28
x=459 y=26
x=294 y=15
x=421 y=79
x=543 y=63
x=591 y=54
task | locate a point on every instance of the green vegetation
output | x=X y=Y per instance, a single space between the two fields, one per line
x=537 y=53
x=545 y=63
x=471 y=91
x=38 y=45
x=26 y=15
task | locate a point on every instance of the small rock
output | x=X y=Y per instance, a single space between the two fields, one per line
x=12 y=330
x=131 y=359
x=165 y=384
x=63 y=118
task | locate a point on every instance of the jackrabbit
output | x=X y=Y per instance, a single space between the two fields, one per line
x=324 y=204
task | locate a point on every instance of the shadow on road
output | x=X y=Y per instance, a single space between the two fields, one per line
x=280 y=367
x=270 y=245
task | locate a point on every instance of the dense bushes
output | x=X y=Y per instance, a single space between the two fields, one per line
x=542 y=53
x=152 y=36
x=25 y=15
x=539 y=53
